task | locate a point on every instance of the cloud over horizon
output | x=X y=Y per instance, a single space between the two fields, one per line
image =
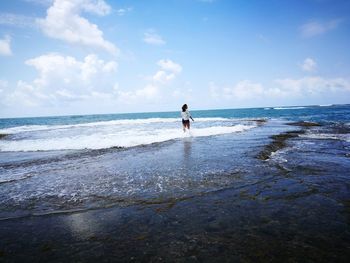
x=282 y=89
x=61 y=79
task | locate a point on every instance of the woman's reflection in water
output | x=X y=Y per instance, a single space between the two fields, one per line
x=187 y=154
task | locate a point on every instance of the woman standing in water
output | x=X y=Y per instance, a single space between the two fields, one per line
x=186 y=116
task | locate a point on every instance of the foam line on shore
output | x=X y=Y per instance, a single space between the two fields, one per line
x=124 y=138
x=30 y=128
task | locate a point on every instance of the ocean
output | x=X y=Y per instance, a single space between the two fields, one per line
x=242 y=184
x=134 y=129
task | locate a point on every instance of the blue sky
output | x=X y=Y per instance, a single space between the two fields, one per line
x=92 y=56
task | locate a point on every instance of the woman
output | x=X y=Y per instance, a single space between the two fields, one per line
x=185 y=114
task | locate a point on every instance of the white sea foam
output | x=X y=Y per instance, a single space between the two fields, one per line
x=30 y=128
x=113 y=138
x=289 y=108
x=327 y=136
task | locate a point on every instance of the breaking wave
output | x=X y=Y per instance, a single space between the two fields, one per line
x=116 y=133
x=30 y=128
x=289 y=108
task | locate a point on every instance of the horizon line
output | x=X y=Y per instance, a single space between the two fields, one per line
x=171 y=111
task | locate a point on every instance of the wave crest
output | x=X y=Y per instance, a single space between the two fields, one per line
x=31 y=128
x=121 y=138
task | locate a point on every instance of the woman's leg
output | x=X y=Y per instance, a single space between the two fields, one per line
x=186 y=124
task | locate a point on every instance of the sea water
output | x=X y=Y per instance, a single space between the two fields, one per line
x=127 y=130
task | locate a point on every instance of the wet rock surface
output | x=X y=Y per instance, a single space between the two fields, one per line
x=304 y=124
x=278 y=142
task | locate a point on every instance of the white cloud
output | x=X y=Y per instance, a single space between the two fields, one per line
x=27 y=95
x=244 y=90
x=5 y=46
x=151 y=37
x=54 y=67
x=309 y=65
x=163 y=77
x=153 y=90
x=3 y=85
x=312 y=86
x=9 y=19
x=99 y=7
x=123 y=11
x=168 y=72
x=167 y=64
x=64 y=21
x=150 y=92
x=282 y=89
x=315 y=28
x=63 y=78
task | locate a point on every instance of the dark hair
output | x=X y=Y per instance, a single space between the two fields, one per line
x=184 y=107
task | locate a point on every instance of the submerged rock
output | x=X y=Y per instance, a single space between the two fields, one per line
x=278 y=142
x=304 y=124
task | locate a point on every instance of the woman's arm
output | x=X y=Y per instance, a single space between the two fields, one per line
x=190 y=116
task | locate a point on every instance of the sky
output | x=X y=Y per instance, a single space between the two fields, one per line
x=72 y=57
